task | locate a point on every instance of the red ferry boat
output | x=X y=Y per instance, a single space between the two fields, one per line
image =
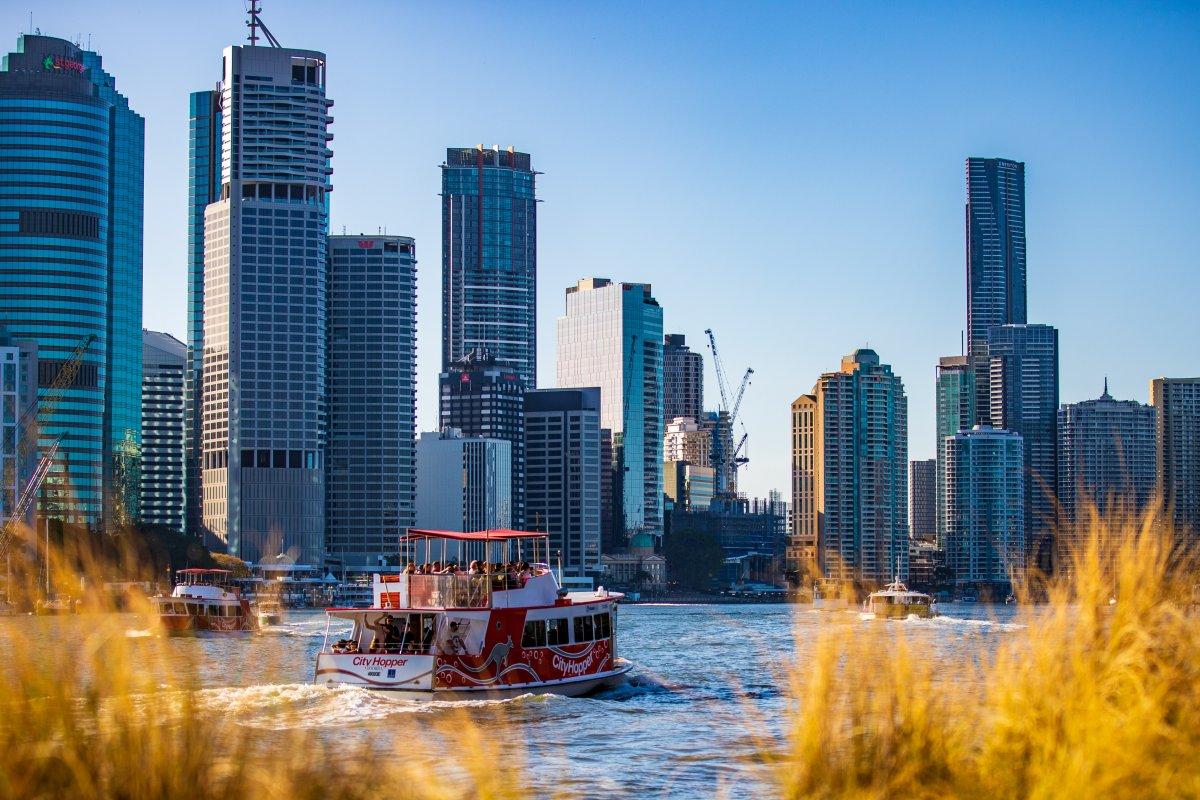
x=204 y=600
x=482 y=630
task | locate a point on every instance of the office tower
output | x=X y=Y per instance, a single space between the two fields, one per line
x=264 y=326
x=71 y=205
x=489 y=258
x=849 y=473
x=204 y=187
x=720 y=434
x=18 y=397
x=370 y=479
x=954 y=400
x=1106 y=455
x=740 y=526
x=683 y=379
x=164 y=367
x=1177 y=441
x=1023 y=387
x=462 y=482
x=985 y=507
x=688 y=486
x=995 y=230
x=482 y=397
x=562 y=474
x=922 y=513
x=612 y=535
x=611 y=334
x=686 y=441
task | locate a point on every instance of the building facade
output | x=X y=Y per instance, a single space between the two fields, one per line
x=482 y=397
x=954 y=402
x=164 y=372
x=849 y=474
x=263 y=387
x=371 y=469
x=463 y=483
x=562 y=474
x=1106 y=456
x=720 y=433
x=1177 y=442
x=922 y=499
x=18 y=433
x=611 y=334
x=686 y=441
x=985 y=507
x=489 y=258
x=71 y=196
x=687 y=486
x=1023 y=387
x=683 y=379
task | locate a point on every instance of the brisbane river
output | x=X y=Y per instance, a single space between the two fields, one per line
x=707 y=693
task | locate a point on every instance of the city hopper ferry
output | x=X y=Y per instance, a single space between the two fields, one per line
x=475 y=625
x=204 y=600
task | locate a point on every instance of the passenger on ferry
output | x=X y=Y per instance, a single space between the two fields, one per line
x=454 y=642
x=411 y=569
x=475 y=569
x=387 y=635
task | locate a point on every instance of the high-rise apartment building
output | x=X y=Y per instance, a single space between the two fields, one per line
x=18 y=398
x=611 y=334
x=164 y=369
x=489 y=258
x=686 y=441
x=954 y=401
x=985 y=507
x=462 y=482
x=922 y=497
x=849 y=474
x=562 y=474
x=370 y=479
x=1177 y=442
x=1106 y=455
x=683 y=379
x=71 y=170
x=263 y=387
x=482 y=397
x=720 y=433
x=995 y=230
x=1023 y=387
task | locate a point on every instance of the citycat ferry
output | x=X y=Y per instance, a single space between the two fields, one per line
x=479 y=627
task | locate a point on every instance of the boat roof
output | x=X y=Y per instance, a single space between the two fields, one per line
x=491 y=535
x=202 y=571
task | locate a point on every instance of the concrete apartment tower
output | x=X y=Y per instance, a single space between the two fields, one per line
x=611 y=334
x=922 y=497
x=164 y=368
x=1177 y=441
x=954 y=400
x=683 y=379
x=850 y=474
x=263 y=312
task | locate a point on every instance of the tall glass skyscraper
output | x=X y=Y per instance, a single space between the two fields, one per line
x=995 y=223
x=164 y=370
x=611 y=336
x=263 y=386
x=954 y=400
x=71 y=195
x=489 y=258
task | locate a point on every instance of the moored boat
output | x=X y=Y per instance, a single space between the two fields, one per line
x=489 y=631
x=204 y=600
x=897 y=601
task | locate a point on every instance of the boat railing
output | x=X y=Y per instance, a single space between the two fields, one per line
x=437 y=591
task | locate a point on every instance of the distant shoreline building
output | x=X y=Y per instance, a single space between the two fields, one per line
x=954 y=400
x=164 y=372
x=922 y=512
x=1177 y=442
x=463 y=482
x=683 y=379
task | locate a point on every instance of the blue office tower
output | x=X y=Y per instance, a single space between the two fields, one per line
x=71 y=193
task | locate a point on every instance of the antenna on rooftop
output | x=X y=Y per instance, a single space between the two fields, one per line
x=255 y=24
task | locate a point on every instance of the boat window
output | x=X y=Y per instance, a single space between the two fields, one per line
x=535 y=634
x=193 y=608
x=603 y=626
x=556 y=631
x=583 y=629
x=211 y=611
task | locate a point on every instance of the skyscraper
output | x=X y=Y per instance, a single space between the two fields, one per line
x=922 y=513
x=1106 y=455
x=954 y=399
x=985 y=507
x=1023 y=387
x=481 y=397
x=849 y=473
x=18 y=397
x=611 y=334
x=71 y=196
x=995 y=229
x=164 y=364
x=686 y=441
x=489 y=258
x=370 y=480
x=720 y=433
x=562 y=473
x=462 y=482
x=683 y=379
x=264 y=327
x=1177 y=441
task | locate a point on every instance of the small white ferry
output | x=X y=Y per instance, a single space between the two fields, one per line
x=482 y=621
x=896 y=601
x=204 y=600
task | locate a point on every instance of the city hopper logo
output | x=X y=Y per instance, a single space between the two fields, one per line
x=59 y=63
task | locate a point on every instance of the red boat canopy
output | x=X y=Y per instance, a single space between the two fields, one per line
x=200 y=571
x=494 y=535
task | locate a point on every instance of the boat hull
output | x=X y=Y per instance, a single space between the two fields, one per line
x=902 y=611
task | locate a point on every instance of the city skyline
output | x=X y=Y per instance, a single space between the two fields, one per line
x=1085 y=267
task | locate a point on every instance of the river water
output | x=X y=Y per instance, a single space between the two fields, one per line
x=707 y=690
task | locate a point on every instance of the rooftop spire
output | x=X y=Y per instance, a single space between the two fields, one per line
x=255 y=24
x=1105 y=396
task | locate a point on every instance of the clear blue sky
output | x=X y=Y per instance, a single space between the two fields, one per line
x=789 y=175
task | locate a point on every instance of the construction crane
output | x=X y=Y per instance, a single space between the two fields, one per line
x=731 y=460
